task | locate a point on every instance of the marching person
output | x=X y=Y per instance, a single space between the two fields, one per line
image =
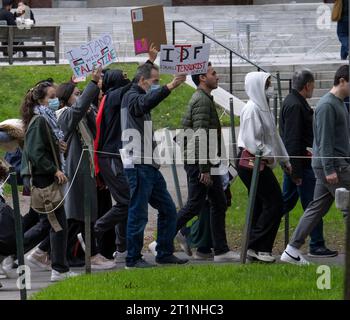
x=258 y=132
x=147 y=184
x=77 y=122
x=296 y=119
x=202 y=184
x=330 y=162
x=43 y=153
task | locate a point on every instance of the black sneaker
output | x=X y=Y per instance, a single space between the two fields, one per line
x=171 y=260
x=139 y=264
x=322 y=252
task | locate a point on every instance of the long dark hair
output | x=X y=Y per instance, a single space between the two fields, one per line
x=64 y=92
x=31 y=100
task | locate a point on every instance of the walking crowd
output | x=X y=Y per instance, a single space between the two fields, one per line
x=61 y=122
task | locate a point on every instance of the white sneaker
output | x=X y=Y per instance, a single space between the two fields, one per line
x=227 y=257
x=81 y=241
x=152 y=247
x=99 y=262
x=293 y=255
x=7 y=264
x=261 y=256
x=181 y=239
x=39 y=259
x=119 y=257
x=57 y=276
x=3 y=273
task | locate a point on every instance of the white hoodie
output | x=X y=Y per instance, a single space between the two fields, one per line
x=257 y=126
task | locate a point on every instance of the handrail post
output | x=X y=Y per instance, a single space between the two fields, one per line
x=231 y=73
x=174 y=170
x=19 y=235
x=233 y=132
x=248 y=40
x=347 y=260
x=279 y=89
x=203 y=38
x=250 y=208
x=174 y=22
x=342 y=203
x=87 y=209
x=275 y=108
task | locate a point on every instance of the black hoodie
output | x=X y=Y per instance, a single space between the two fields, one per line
x=114 y=86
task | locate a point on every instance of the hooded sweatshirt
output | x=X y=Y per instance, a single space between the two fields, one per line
x=115 y=86
x=258 y=130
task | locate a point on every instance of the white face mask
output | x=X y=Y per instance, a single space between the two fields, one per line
x=270 y=92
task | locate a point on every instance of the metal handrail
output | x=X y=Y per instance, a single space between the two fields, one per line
x=232 y=52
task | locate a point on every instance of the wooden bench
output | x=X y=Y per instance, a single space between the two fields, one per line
x=29 y=40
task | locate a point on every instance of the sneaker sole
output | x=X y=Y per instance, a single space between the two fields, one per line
x=296 y=263
x=98 y=267
x=255 y=259
x=322 y=256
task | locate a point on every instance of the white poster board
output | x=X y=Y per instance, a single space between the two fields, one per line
x=186 y=59
x=96 y=53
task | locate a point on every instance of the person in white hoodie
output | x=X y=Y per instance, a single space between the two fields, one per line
x=258 y=132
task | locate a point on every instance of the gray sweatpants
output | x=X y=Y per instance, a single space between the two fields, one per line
x=318 y=208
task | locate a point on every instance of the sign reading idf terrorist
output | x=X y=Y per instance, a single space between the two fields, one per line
x=96 y=53
x=187 y=59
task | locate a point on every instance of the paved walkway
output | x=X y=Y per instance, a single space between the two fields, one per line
x=41 y=279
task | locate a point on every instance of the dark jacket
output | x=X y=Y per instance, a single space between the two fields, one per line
x=115 y=87
x=136 y=109
x=38 y=151
x=68 y=120
x=8 y=17
x=296 y=120
x=201 y=114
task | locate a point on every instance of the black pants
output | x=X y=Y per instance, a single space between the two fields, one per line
x=36 y=229
x=197 y=195
x=112 y=172
x=74 y=228
x=268 y=209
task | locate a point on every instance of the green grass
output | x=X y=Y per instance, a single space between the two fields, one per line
x=17 y=80
x=222 y=282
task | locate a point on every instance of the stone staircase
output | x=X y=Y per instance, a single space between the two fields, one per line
x=286 y=31
x=324 y=75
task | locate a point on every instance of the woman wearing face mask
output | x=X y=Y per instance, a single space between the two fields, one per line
x=43 y=152
x=77 y=122
x=258 y=132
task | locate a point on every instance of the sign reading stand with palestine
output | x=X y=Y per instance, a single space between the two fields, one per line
x=148 y=27
x=187 y=59
x=96 y=53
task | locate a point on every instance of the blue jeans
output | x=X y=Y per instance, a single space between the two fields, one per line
x=343 y=35
x=147 y=186
x=291 y=194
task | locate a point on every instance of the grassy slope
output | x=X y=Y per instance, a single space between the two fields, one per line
x=16 y=80
x=200 y=282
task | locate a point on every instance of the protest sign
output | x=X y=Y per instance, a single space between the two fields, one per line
x=188 y=59
x=96 y=53
x=148 y=27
